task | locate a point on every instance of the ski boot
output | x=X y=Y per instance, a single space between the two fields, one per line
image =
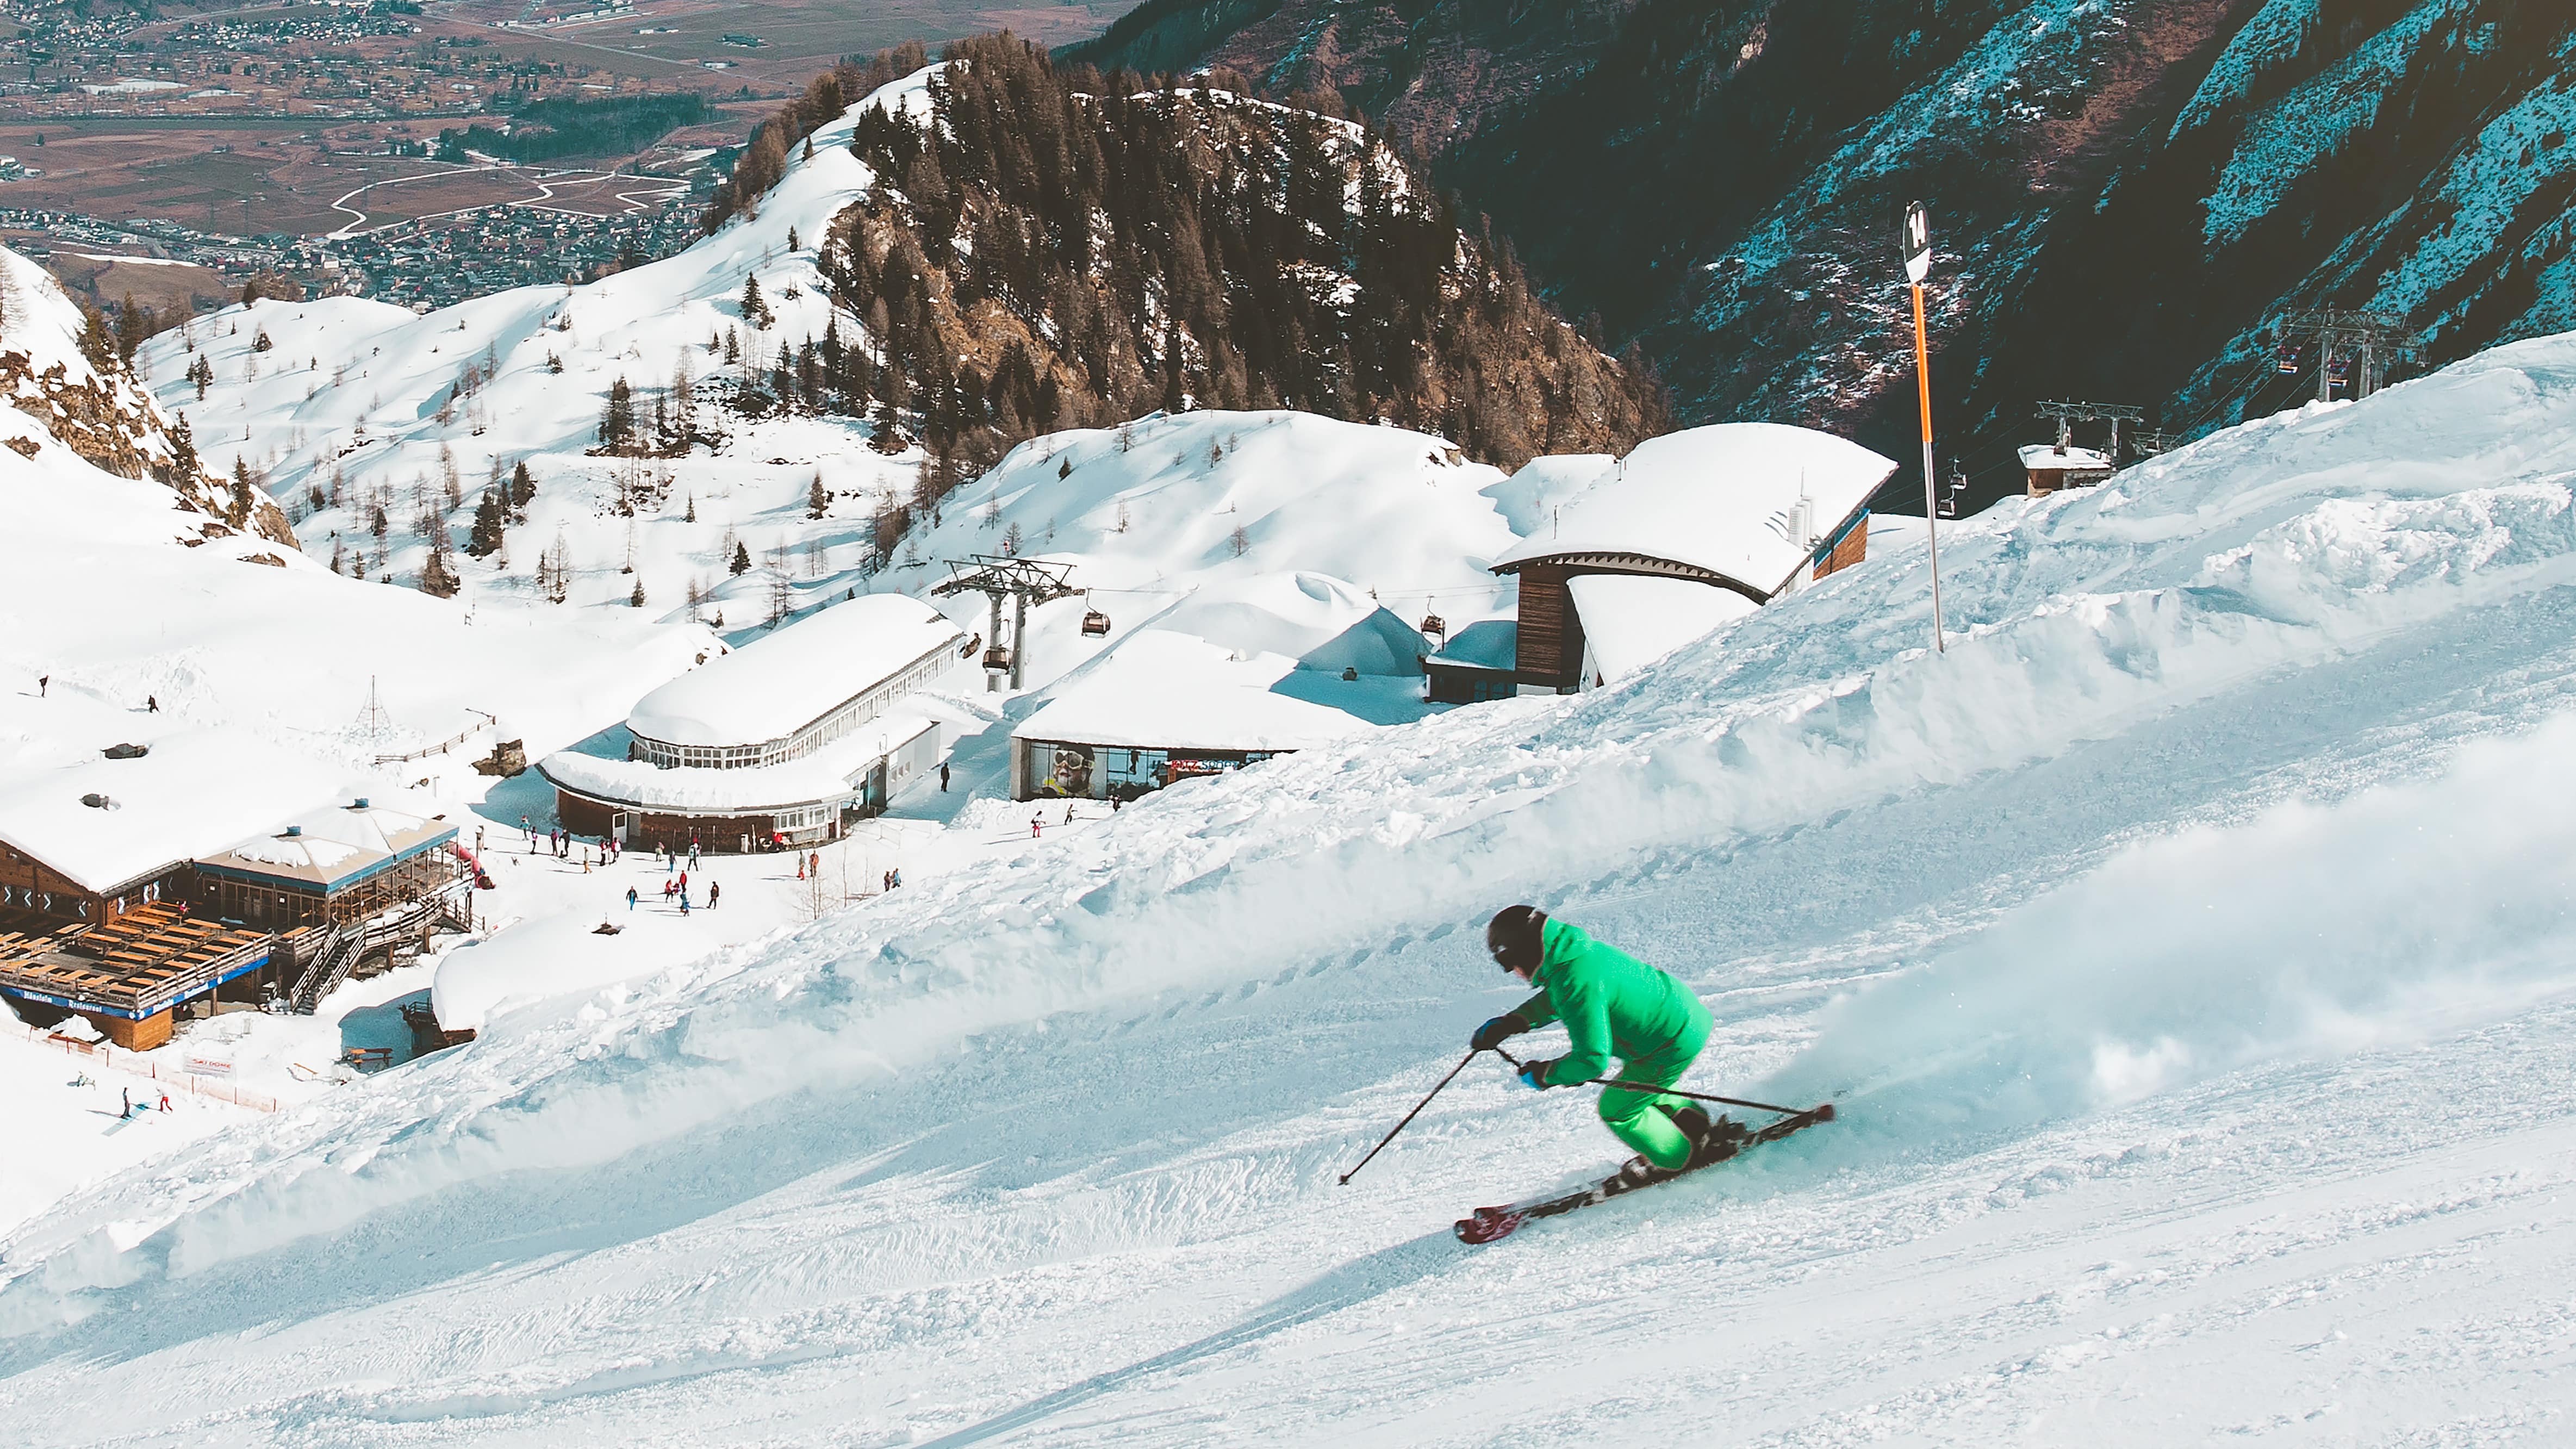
x=1711 y=1142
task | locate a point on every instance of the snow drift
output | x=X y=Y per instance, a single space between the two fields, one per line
x=2145 y=830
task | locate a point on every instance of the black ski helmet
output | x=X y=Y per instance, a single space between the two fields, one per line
x=1512 y=936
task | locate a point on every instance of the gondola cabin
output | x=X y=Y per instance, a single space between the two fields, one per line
x=1094 y=623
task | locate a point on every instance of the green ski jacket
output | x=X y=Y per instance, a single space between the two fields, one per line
x=1612 y=1004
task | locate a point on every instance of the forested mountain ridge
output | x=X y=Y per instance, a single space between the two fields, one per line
x=2129 y=195
x=1058 y=248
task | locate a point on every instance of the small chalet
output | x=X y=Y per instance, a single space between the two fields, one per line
x=2048 y=468
x=1691 y=531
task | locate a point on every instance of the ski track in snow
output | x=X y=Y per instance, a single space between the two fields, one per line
x=2189 y=950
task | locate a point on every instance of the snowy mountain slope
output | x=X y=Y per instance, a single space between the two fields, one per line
x=1151 y=513
x=238 y=633
x=372 y=405
x=97 y=408
x=2182 y=945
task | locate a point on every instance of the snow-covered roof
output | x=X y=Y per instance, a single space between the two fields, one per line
x=333 y=844
x=1489 y=644
x=1630 y=622
x=834 y=771
x=2047 y=456
x=1163 y=690
x=777 y=684
x=1717 y=499
x=197 y=791
x=1317 y=620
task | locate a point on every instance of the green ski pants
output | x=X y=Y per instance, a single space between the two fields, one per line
x=1644 y=1120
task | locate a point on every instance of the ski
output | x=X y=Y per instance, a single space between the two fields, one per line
x=1487 y=1224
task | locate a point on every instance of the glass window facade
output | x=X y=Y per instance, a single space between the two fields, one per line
x=1057 y=770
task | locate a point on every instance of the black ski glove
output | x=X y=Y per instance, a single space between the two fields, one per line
x=1534 y=1074
x=1497 y=1031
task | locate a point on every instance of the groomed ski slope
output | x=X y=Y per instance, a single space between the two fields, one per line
x=2188 y=947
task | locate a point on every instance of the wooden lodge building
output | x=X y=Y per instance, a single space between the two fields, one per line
x=106 y=910
x=782 y=742
x=1688 y=532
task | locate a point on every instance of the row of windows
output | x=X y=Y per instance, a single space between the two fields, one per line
x=30 y=898
x=843 y=719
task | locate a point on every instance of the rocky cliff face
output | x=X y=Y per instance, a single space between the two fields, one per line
x=64 y=375
x=2128 y=194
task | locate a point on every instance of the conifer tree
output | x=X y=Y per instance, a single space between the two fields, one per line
x=741 y=559
x=523 y=488
x=490 y=518
x=183 y=450
x=818 y=499
x=245 y=493
x=438 y=576
x=755 y=308
x=617 y=423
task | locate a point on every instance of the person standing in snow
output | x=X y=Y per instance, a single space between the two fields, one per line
x=42 y=682
x=125 y=1096
x=715 y=892
x=630 y=900
x=151 y=704
x=943 y=777
x=1612 y=1004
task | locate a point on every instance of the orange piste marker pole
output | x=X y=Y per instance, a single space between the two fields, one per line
x=1931 y=505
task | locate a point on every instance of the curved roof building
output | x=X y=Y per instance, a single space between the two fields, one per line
x=776 y=743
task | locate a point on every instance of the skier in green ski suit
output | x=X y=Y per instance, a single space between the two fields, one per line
x=1612 y=1004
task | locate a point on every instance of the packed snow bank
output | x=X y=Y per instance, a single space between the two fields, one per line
x=1073 y=1117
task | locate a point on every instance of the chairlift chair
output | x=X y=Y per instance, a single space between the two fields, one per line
x=2288 y=358
x=1433 y=626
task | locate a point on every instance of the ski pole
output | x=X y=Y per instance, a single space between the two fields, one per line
x=1409 y=1116
x=1662 y=1091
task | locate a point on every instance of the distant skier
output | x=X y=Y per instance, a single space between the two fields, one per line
x=630 y=900
x=165 y=1102
x=715 y=893
x=151 y=704
x=43 y=681
x=125 y=1097
x=943 y=777
x=1612 y=1004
